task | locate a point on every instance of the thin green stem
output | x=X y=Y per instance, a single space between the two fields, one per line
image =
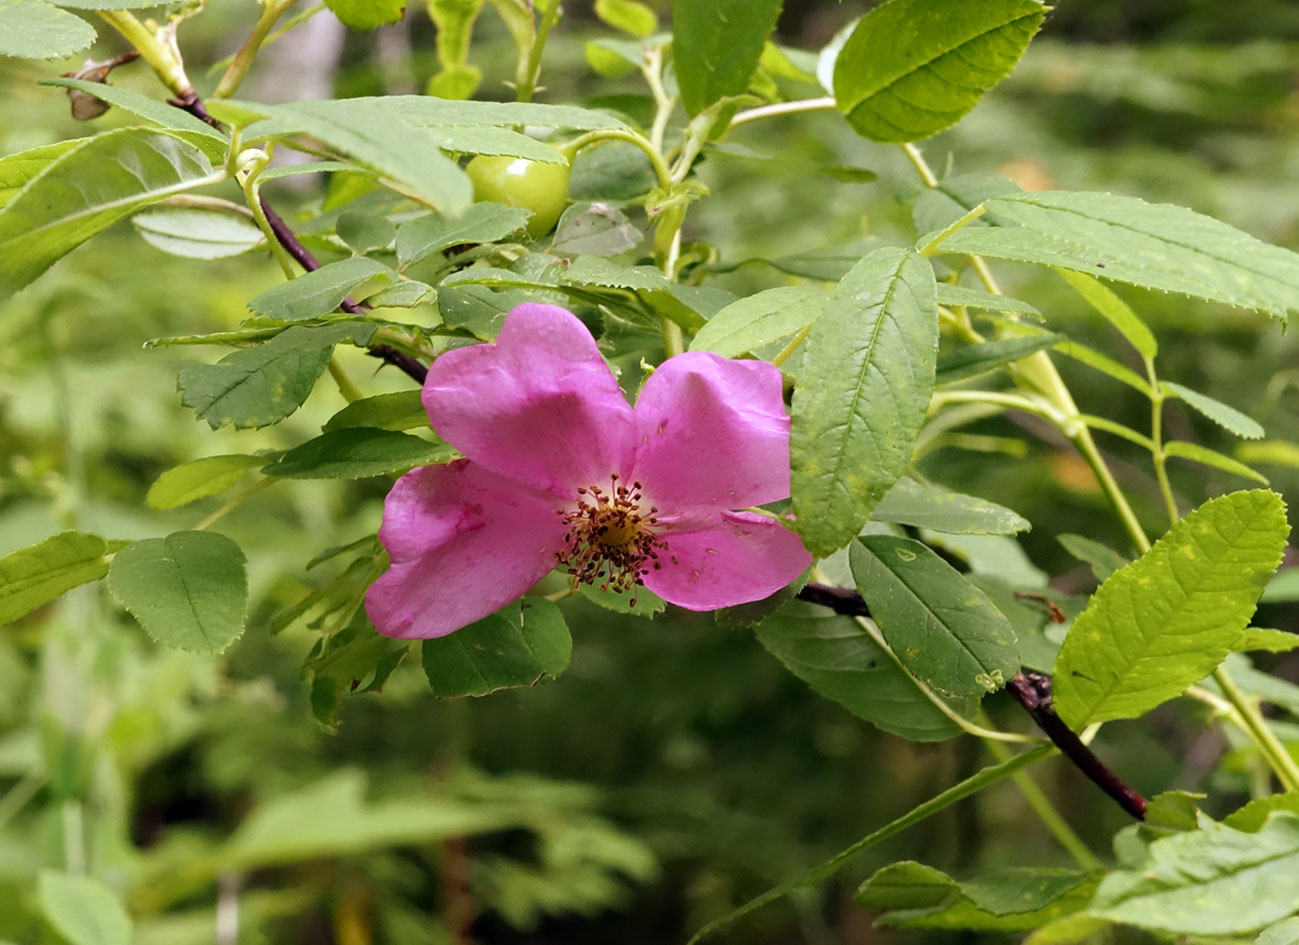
x=345 y=385
x=1001 y=398
x=782 y=108
x=790 y=348
x=252 y=193
x=1086 y=446
x=663 y=102
x=1046 y=811
x=918 y=162
x=530 y=69
x=1269 y=746
x=156 y=47
x=656 y=160
x=930 y=248
x=238 y=68
x=234 y=502
x=17 y=796
x=1157 y=443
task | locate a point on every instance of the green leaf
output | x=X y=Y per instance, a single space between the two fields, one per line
x=357 y=453
x=1285 y=932
x=757 y=320
x=1229 y=418
x=1174 y=810
x=1103 y=560
x=862 y=391
x=188 y=590
x=1169 y=618
x=319 y=292
x=35 y=30
x=150 y=109
x=82 y=909
x=484 y=139
x=1115 y=310
x=17 y=169
x=973 y=360
x=941 y=627
x=914 y=67
x=367 y=14
x=403 y=410
x=258 y=386
x=1207 y=457
x=596 y=228
x=37 y=574
x=931 y=506
x=836 y=657
x=365 y=232
x=958 y=295
x=89 y=188
x=629 y=16
x=716 y=45
x=1254 y=814
x=1212 y=881
x=198 y=234
x=516 y=646
x=198 y=479
x=1104 y=364
x=941 y=205
x=1270 y=641
x=620 y=602
x=481 y=223
x=1123 y=239
x=591 y=270
x=1270 y=452
x=406 y=293
x=108 y=4
x=406 y=154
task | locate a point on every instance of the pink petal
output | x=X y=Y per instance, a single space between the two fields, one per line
x=713 y=434
x=464 y=542
x=731 y=558
x=539 y=405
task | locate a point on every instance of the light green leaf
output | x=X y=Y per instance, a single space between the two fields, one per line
x=1207 y=457
x=1211 y=881
x=485 y=139
x=357 y=453
x=914 y=67
x=319 y=292
x=403 y=410
x=198 y=479
x=1229 y=418
x=261 y=385
x=35 y=30
x=972 y=360
x=17 y=169
x=1254 y=814
x=931 y=506
x=1115 y=310
x=198 y=234
x=37 y=574
x=1285 y=932
x=108 y=4
x=1155 y=246
x=82 y=909
x=941 y=627
x=406 y=154
x=716 y=45
x=1270 y=641
x=481 y=223
x=837 y=658
x=367 y=14
x=629 y=16
x=1103 y=363
x=515 y=646
x=406 y=293
x=620 y=602
x=150 y=109
x=88 y=188
x=599 y=229
x=1103 y=560
x=958 y=295
x=1169 y=618
x=1284 y=587
x=188 y=590
x=862 y=391
x=1270 y=452
x=760 y=319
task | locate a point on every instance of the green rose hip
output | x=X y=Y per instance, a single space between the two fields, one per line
x=532 y=185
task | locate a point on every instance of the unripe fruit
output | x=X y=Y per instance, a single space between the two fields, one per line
x=532 y=185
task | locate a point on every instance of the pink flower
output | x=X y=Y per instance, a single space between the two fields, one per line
x=560 y=471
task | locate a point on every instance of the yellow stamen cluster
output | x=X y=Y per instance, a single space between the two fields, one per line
x=610 y=542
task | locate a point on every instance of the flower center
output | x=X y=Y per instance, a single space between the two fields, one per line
x=610 y=542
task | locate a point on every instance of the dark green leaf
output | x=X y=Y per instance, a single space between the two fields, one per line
x=941 y=627
x=482 y=223
x=198 y=479
x=1104 y=560
x=930 y=506
x=37 y=574
x=973 y=360
x=914 y=67
x=862 y=391
x=716 y=45
x=356 y=453
x=319 y=292
x=82 y=909
x=35 y=30
x=1167 y=619
x=596 y=228
x=187 y=590
x=364 y=232
x=837 y=657
x=403 y=410
x=406 y=293
x=1229 y=418
x=515 y=646
x=258 y=386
